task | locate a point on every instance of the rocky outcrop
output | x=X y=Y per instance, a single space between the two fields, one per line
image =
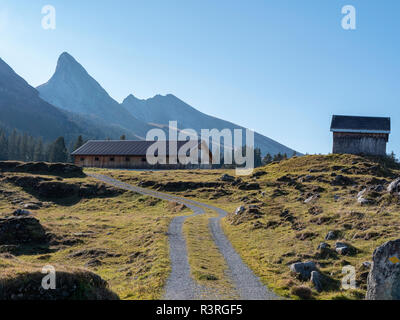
x=20 y=230
x=48 y=188
x=56 y=189
x=70 y=285
x=63 y=169
x=384 y=278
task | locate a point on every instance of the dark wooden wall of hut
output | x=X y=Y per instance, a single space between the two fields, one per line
x=125 y=162
x=360 y=143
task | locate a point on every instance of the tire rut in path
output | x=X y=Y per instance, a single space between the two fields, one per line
x=180 y=285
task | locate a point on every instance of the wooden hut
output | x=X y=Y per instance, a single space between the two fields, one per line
x=360 y=135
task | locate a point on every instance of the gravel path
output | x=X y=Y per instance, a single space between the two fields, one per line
x=180 y=285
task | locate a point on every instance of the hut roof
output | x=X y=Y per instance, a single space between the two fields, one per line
x=360 y=124
x=123 y=147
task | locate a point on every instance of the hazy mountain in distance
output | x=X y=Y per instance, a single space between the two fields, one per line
x=162 y=109
x=72 y=88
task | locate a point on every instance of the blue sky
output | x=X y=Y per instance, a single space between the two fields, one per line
x=281 y=67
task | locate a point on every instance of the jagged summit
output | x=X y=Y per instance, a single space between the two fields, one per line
x=72 y=88
x=66 y=62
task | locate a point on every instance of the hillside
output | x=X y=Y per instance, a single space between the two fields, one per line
x=162 y=109
x=23 y=109
x=288 y=209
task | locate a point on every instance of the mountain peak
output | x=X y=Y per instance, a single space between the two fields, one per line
x=66 y=62
x=131 y=97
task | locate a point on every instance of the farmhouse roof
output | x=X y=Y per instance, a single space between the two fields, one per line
x=122 y=147
x=360 y=124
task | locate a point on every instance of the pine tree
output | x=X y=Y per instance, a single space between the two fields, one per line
x=18 y=148
x=267 y=159
x=3 y=145
x=31 y=147
x=278 y=157
x=78 y=143
x=257 y=158
x=58 y=152
x=13 y=146
x=23 y=147
x=38 y=154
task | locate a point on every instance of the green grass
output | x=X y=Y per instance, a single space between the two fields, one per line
x=268 y=244
x=130 y=227
x=208 y=267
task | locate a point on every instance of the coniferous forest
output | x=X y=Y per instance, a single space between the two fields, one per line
x=20 y=146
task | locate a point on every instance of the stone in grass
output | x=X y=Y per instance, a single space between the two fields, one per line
x=303 y=269
x=227 y=178
x=32 y=206
x=394 y=186
x=363 y=201
x=21 y=212
x=312 y=198
x=332 y=235
x=239 y=210
x=344 y=249
x=383 y=281
x=323 y=245
x=317 y=280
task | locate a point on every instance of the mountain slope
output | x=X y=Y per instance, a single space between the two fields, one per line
x=23 y=109
x=162 y=109
x=72 y=88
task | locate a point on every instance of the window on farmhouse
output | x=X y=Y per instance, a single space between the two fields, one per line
x=127 y=159
x=144 y=160
x=111 y=159
x=96 y=159
x=82 y=159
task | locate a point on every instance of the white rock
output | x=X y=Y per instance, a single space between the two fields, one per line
x=239 y=210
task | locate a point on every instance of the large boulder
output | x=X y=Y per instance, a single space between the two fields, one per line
x=21 y=230
x=303 y=269
x=66 y=169
x=384 y=278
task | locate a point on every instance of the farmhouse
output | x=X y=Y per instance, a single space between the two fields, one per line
x=125 y=154
x=360 y=135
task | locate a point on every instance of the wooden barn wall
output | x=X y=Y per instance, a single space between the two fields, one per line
x=121 y=162
x=353 y=143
